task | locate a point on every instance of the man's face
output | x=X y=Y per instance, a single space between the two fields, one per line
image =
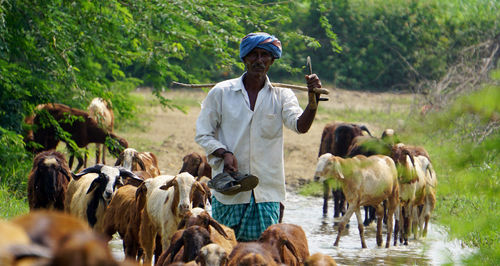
x=258 y=61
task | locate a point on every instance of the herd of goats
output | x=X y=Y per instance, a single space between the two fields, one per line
x=162 y=219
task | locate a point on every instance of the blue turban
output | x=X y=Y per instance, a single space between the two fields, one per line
x=260 y=40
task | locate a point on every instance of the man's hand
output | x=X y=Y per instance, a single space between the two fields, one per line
x=230 y=162
x=312 y=83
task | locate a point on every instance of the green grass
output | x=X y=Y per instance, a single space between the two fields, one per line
x=11 y=206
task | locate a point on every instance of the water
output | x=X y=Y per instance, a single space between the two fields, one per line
x=435 y=249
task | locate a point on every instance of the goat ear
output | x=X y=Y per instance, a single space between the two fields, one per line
x=140 y=163
x=176 y=247
x=94 y=184
x=290 y=246
x=218 y=227
x=64 y=171
x=119 y=160
x=93 y=169
x=169 y=184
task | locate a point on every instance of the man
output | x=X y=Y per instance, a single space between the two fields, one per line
x=240 y=127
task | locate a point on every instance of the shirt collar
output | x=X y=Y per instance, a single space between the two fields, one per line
x=241 y=86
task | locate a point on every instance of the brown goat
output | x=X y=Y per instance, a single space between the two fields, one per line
x=186 y=247
x=336 y=139
x=123 y=216
x=253 y=253
x=48 y=181
x=319 y=259
x=290 y=241
x=83 y=130
x=196 y=165
x=102 y=112
x=133 y=160
x=219 y=233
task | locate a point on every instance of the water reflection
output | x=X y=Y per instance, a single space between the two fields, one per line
x=307 y=212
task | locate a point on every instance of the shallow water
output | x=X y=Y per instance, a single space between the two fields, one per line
x=435 y=249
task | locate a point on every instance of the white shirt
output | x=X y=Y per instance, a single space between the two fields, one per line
x=255 y=137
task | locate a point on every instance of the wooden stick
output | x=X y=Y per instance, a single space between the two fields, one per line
x=283 y=85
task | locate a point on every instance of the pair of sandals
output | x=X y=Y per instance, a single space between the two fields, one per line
x=233 y=183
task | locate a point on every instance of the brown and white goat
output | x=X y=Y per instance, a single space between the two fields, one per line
x=166 y=204
x=196 y=165
x=365 y=181
x=91 y=190
x=83 y=129
x=48 y=181
x=290 y=241
x=133 y=160
x=102 y=112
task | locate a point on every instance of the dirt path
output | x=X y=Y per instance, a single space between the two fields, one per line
x=170 y=133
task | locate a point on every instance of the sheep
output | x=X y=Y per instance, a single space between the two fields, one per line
x=91 y=190
x=336 y=139
x=219 y=233
x=167 y=200
x=123 y=215
x=253 y=253
x=212 y=255
x=365 y=181
x=191 y=240
x=102 y=112
x=196 y=165
x=133 y=160
x=319 y=259
x=78 y=123
x=290 y=236
x=48 y=181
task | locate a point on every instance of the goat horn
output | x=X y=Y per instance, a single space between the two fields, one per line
x=93 y=169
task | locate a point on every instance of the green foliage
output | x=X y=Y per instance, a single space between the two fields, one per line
x=464 y=142
x=11 y=206
x=15 y=163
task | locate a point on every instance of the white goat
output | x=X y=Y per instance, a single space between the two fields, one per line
x=165 y=208
x=91 y=190
x=100 y=110
x=365 y=181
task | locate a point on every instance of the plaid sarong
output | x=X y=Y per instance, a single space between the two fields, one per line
x=247 y=220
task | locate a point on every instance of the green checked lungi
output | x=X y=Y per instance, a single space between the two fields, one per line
x=248 y=220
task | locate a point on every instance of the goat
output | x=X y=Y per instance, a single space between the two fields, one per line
x=167 y=200
x=196 y=165
x=336 y=139
x=102 y=112
x=290 y=241
x=253 y=253
x=48 y=181
x=319 y=259
x=430 y=194
x=365 y=181
x=219 y=233
x=191 y=240
x=78 y=123
x=124 y=216
x=91 y=190
x=133 y=160
x=212 y=255
x=16 y=247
